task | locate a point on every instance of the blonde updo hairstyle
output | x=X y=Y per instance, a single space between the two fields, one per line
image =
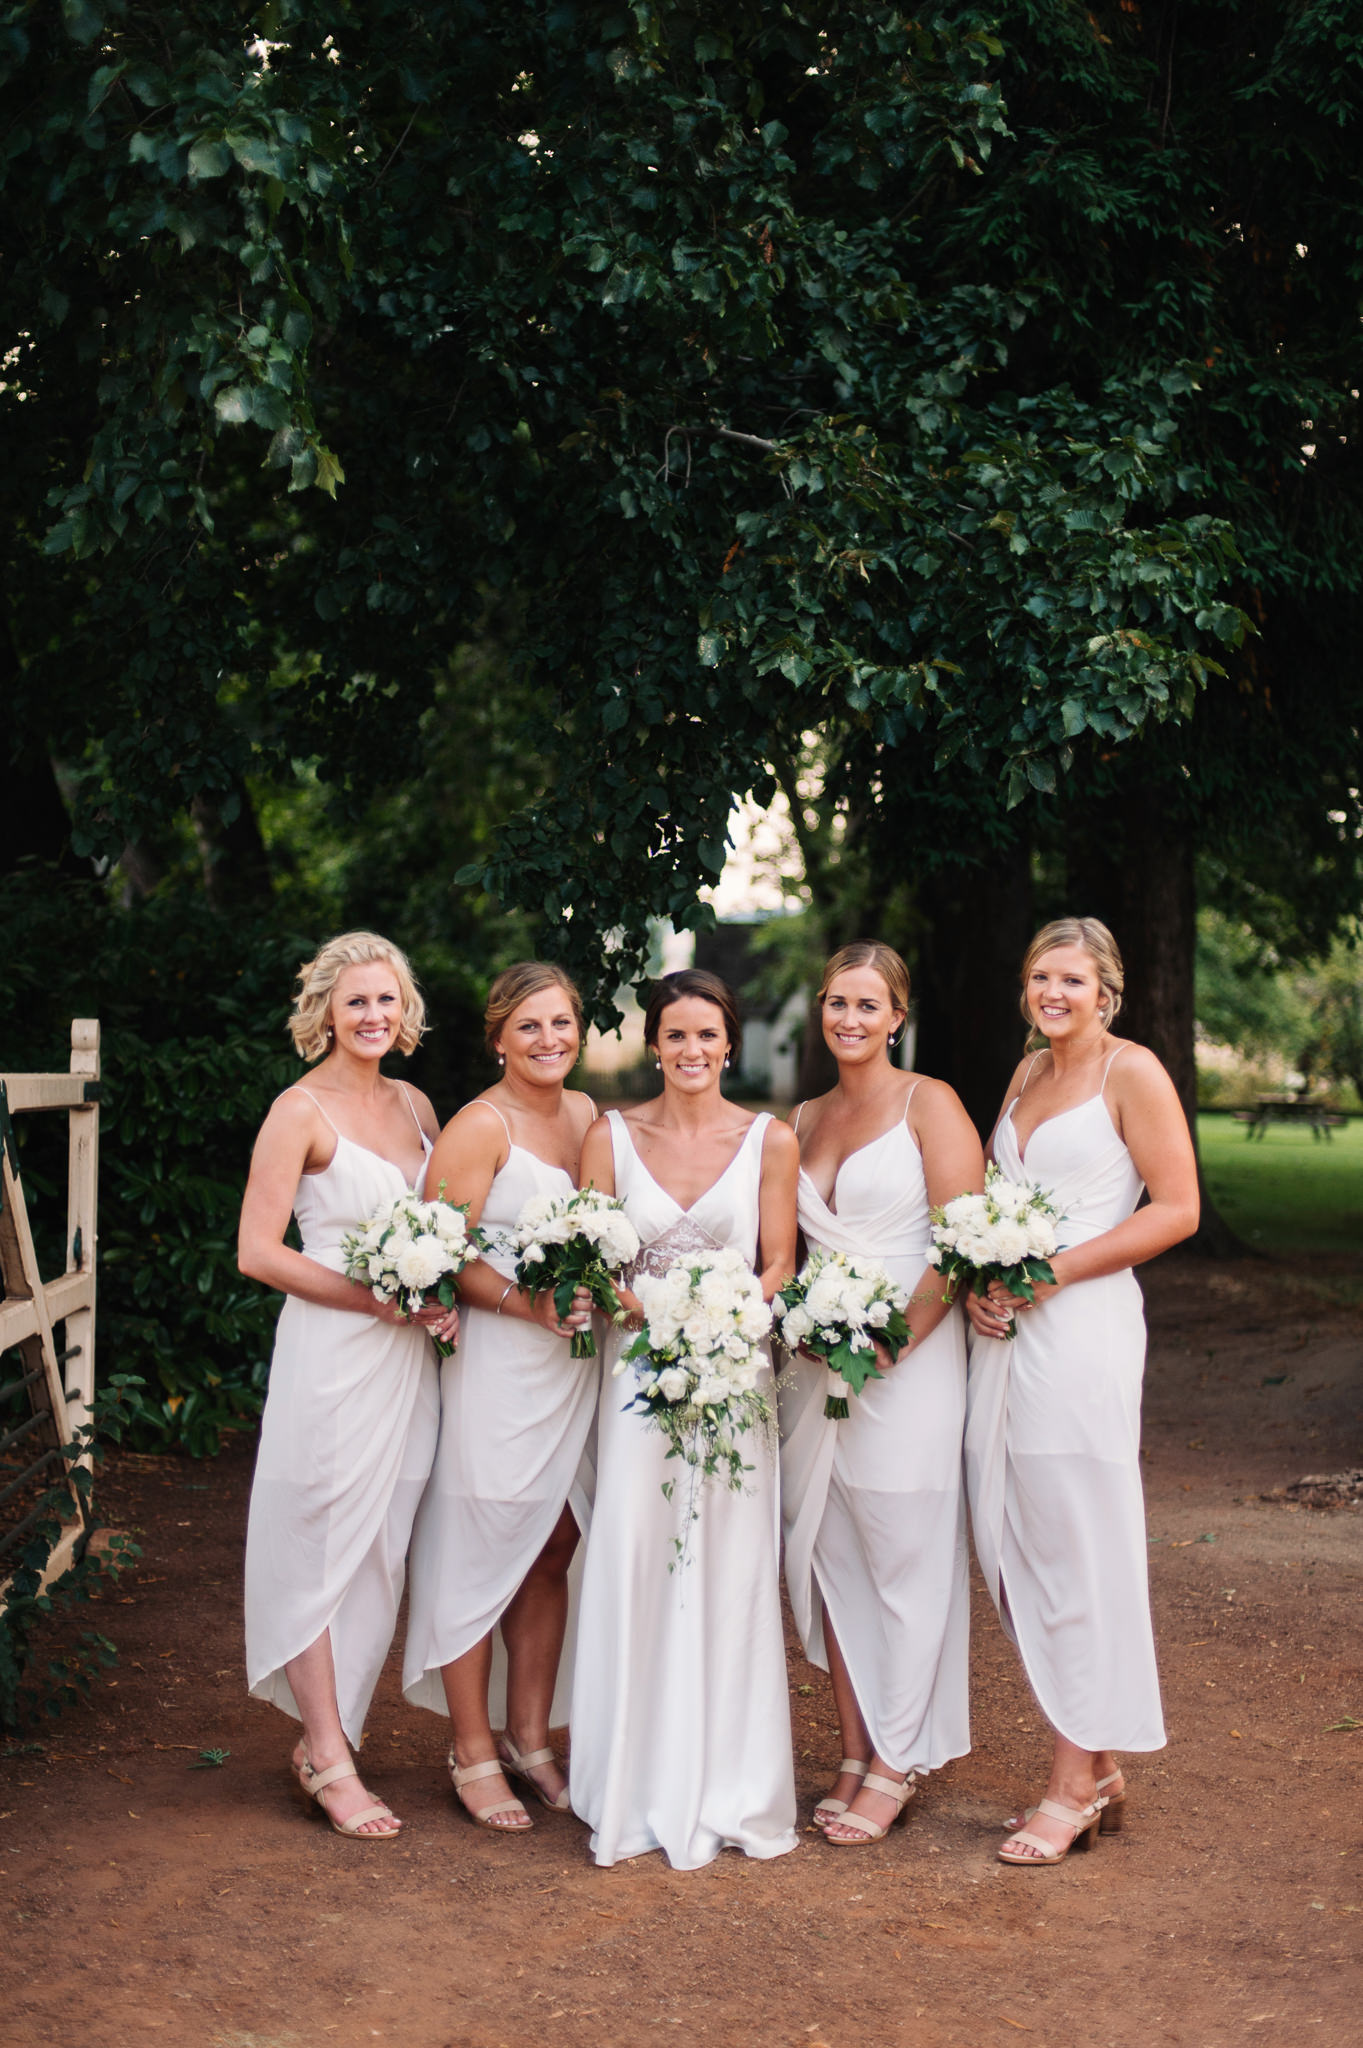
x=1094 y=938
x=515 y=985
x=885 y=961
x=310 y=1024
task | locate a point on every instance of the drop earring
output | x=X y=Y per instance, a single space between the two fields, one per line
x=727 y=1062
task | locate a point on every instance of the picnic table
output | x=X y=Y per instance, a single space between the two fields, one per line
x=1288 y=1109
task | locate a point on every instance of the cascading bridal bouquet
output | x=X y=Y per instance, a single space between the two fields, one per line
x=570 y=1241
x=837 y=1308
x=698 y=1357
x=1008 y=1233
x=410 y=1249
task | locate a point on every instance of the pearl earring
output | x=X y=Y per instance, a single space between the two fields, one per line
x=501 y=1059
x=726 y=1060
x=658 y=1066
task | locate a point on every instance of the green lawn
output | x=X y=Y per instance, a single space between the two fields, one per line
x=1287 y=1191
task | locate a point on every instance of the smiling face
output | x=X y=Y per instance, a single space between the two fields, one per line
x=692 y=1044
x=540 y=1040
x=1065 y=998
x=366 y=1010
x=859 y=1016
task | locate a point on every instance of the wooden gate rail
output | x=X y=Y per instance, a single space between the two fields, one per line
x=59 y=1381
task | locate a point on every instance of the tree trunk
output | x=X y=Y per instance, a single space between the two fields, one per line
x=969 y=1030
x=1139 y=879
x=236 y=866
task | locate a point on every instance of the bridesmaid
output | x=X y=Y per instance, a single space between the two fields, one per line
x=681 y=1714
x=1053 y=1432
x=873 y=1506
x=350 y=1421
x=498 y=1526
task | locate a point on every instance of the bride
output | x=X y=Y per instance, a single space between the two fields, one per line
x=680 y=1715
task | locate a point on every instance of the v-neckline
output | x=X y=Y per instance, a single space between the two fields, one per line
x=370 y=1153
x=690 y=1208
x=830 y=1199
x=1059 y=1117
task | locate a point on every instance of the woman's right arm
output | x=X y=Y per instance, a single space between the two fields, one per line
x=293 y=1138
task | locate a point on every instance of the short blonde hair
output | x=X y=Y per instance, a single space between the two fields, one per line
x=870 y=953
x=317 y=979
x=515 y=985
x=1094 y=938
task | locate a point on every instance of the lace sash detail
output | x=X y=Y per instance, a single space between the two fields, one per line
x=664 y=1252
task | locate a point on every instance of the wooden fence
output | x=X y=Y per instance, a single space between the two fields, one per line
x=47 y=1327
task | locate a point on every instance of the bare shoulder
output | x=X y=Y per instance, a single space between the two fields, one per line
x=780 y=1144
x=927 y=1093
x=478 y=1127
x=293 y=1113
x=1139 y=1076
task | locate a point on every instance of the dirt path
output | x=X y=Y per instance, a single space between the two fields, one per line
x=144 y=1899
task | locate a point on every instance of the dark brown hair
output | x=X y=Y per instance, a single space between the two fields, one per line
x=694 y=981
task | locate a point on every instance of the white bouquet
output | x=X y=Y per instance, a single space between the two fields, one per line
x=837 y=1307
x=579 y=1240
x=698 y=1358
x=410 y=1249
x=1008 y=1233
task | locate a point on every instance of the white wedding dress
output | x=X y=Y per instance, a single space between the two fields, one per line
x=681 y=1716
x=516 y=1412
x=873 y=1506
x=1053 y=1454
x=346 y=1442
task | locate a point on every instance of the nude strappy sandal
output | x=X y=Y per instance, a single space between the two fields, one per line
x=1112 y=1820
x=850 y=1767
x=493 y=1767
x=1113 y=1817
x=1085 y=1820
x=522 y=1762
x=899 y=1789
x=315 y=1783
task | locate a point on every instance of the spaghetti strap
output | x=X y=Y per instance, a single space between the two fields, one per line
x=315 y=1103
x=799 y=1111
x=1108 y=1068
x=909 y=1098
x=1032 y=1062
x=407 y=1098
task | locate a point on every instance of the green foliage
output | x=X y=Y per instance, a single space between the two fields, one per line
x=30 y=1616
x=1244 y=999
x=671 y=320
x=192 y=1008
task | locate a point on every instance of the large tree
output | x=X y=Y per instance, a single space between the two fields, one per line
x=643 y=315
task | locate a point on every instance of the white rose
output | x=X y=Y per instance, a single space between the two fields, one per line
x=796 y=1324
x=711 y=1391
x=533 y=1254
x=672 y=1383
x=878 y=1314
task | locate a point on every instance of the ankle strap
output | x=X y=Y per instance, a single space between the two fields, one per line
x=491 y=1769
x=853 y=1767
